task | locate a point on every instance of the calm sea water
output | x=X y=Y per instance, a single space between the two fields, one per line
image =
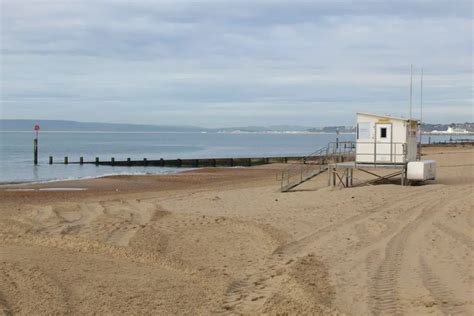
x=16 y=157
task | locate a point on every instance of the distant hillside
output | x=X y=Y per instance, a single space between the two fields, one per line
x=60 y=125
x=334 y=129
x=57 y=125
x=262 y=129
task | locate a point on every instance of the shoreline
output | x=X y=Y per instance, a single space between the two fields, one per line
x=25 y=182
x=170 y=170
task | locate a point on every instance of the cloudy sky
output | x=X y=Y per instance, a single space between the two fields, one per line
x=233 y=63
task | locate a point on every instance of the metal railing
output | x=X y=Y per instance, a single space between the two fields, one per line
x=453 y=141
x=314 y=164
x=395 y=153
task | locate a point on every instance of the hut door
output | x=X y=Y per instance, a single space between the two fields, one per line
x=383 y=142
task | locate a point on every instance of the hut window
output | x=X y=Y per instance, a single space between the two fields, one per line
x=383 y=132
x=363 y=130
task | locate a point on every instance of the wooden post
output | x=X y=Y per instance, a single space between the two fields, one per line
x=286 y=159
x=347 y=177
x=179 y=162
x=81 y=160
x=403 y=175
x=35 y=144
x=197 y=163
x=162 y=162
x=231 y=162
x=66 y=160
x=145 y=161
x=129 y=161
x=112 y=161
x=96 y=160
x=214 y=163
x=35 y=151
x=250 y=162
x=50 y=160
x=329 y=176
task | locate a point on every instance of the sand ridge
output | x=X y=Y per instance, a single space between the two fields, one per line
x=226 y=241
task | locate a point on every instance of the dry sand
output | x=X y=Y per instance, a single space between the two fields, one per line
x=227 y=241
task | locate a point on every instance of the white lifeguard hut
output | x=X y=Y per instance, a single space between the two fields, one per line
x=385 y=147
x=385 y=140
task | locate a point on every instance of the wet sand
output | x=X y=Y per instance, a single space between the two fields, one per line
x=227 y=241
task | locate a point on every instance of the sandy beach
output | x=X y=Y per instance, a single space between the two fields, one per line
x=214 y=241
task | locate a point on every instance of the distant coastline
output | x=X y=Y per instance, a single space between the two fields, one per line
x=236 y=132
x=63 y=126
x=7 y=125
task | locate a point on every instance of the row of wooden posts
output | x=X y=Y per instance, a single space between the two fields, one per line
x=206 y=162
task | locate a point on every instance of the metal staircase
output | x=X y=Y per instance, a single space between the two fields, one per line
x=315 y=164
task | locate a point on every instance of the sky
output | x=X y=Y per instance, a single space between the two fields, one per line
x=220 y=63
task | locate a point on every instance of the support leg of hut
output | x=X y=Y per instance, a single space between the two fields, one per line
x=346 y=172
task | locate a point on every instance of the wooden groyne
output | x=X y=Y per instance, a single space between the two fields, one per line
x=182 y=163
x=212 y=162
x=452 y=142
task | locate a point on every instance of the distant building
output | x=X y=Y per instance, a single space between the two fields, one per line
x=452 y=131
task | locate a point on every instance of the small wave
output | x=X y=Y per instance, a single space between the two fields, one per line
x=161 y=171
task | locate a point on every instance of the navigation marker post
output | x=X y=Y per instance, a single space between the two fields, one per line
x=35 y=144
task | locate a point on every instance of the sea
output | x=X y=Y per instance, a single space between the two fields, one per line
x=16 y=150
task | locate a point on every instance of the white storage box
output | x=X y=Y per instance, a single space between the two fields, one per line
x=421 y=170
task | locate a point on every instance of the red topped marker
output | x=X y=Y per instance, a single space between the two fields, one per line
x=37 y=129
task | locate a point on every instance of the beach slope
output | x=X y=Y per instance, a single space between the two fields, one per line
x=227 y=241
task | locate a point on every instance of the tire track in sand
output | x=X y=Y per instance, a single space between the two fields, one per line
x=5 y=308
x=235 y=293
x=442 y=296
x=384 y=289
x=385 y=297
x=458 y=236
x=28 y=290
x=299 y=245
x=250 y=293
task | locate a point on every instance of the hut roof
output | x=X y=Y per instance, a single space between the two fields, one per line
x=387 y=116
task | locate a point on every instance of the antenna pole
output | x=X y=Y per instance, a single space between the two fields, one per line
x=411 y=89
x=421 y=98
x=421 y=109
